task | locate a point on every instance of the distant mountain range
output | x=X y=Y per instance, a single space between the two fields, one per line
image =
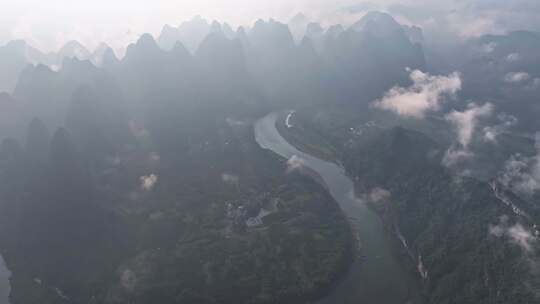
x=138 y=178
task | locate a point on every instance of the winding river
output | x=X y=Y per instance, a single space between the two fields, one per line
x=378 y=278
x=4 y=282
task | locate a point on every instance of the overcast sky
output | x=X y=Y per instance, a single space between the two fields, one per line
x=49 y=24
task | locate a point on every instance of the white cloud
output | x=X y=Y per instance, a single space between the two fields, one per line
x=465 y=122
x=128 y=280
x=234 y=123
x=522 y=174
x=492 y=132
x=294 y=163
x=426 y=94
x=138 y=130
x=516 y=234
x=445 y=21
x=455 y=155
x=230 y=178
x=473 y=27
x=154 y=157
x=379 y=195
x=513 y=57
x=516 y=77
x=101 y=20
x=148 y=182
x=488 y=47
x=375 y=195
x=521 y=236
x=496 y=230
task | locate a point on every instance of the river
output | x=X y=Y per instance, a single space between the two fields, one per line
x=379 y=278
x=4 y=282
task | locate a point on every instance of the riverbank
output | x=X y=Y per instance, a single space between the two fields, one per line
x=380 y=276
x=309 y=141
x=303 y=139
x=435 y=222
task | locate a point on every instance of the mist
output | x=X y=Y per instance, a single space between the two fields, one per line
x=304 y=151
x=49 y=25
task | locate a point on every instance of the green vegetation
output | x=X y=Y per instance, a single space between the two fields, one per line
x=306 y=140
x=446 y=220
x=224 y=223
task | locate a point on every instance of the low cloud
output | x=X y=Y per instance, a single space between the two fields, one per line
x=294 y=163
x=465 y=122
x=375 y=195
x=138 y=130
x=230 y=178
x=521 y=237
x=465 y=125
x=426 y=94
x=378 y=195
x=455 y=155
x=128 y=280
x=492 y=132
x=499 y=230
x=516 y=77
x=517 y=234
x=513 y=57
x=488 y=47
x=522 y=173
x=474 y=27
x=526 y=239
x=234 y=123
x=148 y=182
x=153 y=158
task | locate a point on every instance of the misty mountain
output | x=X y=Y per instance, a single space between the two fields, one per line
x=272 y=59
x=190 y=33
x=46 y=94
x=439 y=218
x=37 y=146
x=298 y=26
x=168 y=37
x=228 y=31
x=98 y=55
x=9 y=109
x=218 y=58
x=16 y=55
x=73 y=49
x=440 y=205
x=316 y=33
x=149 y=177
x=13 y=61
x=414 y=33
x=370 y=57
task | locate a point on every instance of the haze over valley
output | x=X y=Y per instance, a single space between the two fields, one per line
x=270 y=152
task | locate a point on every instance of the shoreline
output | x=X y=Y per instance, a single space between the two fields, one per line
x=403 y=255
